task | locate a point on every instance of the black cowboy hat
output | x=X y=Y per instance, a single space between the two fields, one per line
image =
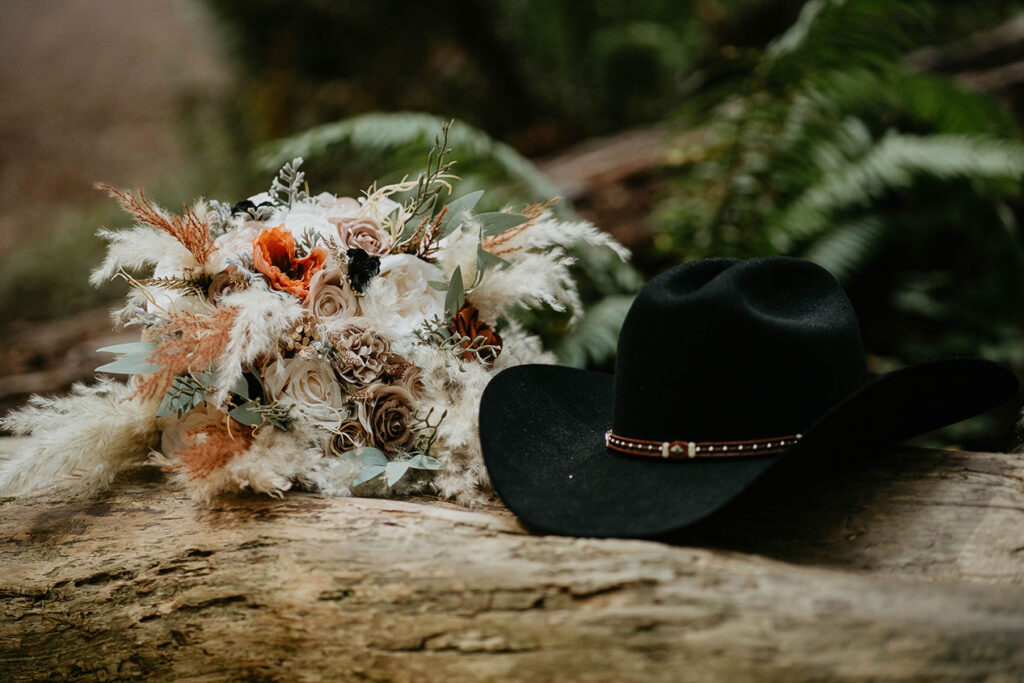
x=724 y=367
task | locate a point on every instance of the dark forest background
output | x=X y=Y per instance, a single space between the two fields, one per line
x=881 y=139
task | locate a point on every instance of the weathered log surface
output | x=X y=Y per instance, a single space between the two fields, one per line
x=908 y=565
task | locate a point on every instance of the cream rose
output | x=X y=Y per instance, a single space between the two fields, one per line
x=363 y=233
x=338 y=207
x=331 y=295
x=403 y=290
x=174 y=435
x=386 y=414
x=302 y=218
x=309 y=386
x=236 y=242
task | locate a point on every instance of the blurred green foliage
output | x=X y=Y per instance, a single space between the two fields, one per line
x=903 y=184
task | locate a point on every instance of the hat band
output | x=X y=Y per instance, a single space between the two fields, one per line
x=685 y=450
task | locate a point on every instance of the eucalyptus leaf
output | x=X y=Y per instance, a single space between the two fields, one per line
x=497 y=222
x=240 y=386
x=424 y=462
x=372 y=456
x=368 y=473
x=129 y=365
x=486 y=260
x=133 y=360
x=207 y=379
x=396 y=470
x=132 y=348
x=456 y=293
x=438 y=285
x=457 y=210
x=247 y=414
x=167 y=407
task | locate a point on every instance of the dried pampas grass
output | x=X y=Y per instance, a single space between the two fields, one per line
x=82 y=440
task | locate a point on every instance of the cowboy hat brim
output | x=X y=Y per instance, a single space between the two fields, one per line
x=542 y=435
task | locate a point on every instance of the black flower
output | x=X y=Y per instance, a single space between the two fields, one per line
x=361 y=268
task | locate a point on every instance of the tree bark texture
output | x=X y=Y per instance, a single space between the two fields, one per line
x=903 y=565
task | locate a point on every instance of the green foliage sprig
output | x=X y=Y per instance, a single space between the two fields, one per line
x=435 y=332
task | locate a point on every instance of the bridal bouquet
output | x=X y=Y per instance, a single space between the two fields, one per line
x=295 y=340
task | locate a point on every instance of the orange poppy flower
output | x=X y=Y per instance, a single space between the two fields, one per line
x=273 y=255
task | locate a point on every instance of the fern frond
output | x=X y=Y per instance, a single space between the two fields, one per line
x=894 y=164
x=377 y=133
x=845 y=34
x=596 y=336
x=846 y=249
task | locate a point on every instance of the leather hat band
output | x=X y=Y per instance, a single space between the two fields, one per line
x=685 y=450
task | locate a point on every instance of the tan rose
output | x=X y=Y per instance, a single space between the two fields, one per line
x=363 y=233
x=363 y=355
x=348 y=436
x=412 y=380
x=225 y=282
x=331 y=295
x=385 y=414
x=309 y=386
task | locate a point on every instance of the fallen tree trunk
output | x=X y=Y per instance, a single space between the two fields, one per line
x=904 y=566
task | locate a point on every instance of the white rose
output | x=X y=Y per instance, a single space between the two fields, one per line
x=309 y=386
x=308 y=216
x=402 y=288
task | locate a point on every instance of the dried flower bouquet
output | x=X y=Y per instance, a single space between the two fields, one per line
x=319 y=342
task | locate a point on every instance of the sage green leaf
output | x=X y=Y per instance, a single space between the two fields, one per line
x=456 y=293
x=203 y=379
x=497 y=222
x=486 y=260
x=129 y=365
x=132 y=361
x=167 y=406
x=424 y=462
x=372 y=456
x=457 y=211
x=368 y=473
x=247 y=414
x=396 y=470
x=132 y=348
x=438 y=285
x=240 y=386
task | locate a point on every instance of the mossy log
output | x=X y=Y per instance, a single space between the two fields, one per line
x=904 y=565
